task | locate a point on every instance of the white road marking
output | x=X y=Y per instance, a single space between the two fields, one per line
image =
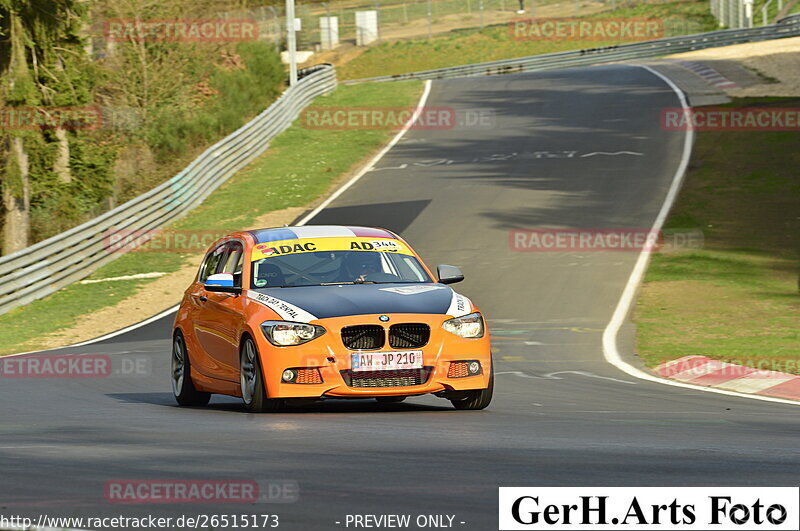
x=610 y=350
x=400 y=167
x=554 y=376
x=124 y=277
x=371 y=164
x=614 y=154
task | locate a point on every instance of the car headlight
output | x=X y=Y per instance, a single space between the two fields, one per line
x=285 y=333
x=467 y=326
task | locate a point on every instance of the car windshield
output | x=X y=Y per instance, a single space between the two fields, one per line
x=336 y=267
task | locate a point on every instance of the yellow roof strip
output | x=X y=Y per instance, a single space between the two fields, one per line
x=310 y=245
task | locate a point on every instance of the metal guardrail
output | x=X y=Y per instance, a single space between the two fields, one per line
x=786 y=27
x=47 y=266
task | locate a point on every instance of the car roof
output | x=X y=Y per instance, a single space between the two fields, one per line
x=317 y=231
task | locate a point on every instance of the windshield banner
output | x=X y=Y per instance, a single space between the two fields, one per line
x=386 y=245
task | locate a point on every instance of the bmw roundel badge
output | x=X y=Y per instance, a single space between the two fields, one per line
x=384 y=318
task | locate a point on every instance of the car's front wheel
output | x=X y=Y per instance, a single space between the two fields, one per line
x=478 y=399
x=254 y=394
x=182 y=385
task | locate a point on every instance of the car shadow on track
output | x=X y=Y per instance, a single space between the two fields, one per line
x=223 y=403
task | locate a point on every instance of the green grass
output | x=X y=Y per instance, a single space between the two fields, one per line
x=494 y=43
x=737 y=298
x=299 y=166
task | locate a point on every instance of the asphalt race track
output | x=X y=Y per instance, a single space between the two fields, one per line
x=561 y=416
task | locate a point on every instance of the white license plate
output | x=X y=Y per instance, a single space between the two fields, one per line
x=386 y=361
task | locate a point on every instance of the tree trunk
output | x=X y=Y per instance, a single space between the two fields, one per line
x=61 y=164
x=16 y=185
x=16 y=199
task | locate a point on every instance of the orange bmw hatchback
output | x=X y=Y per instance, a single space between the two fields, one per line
x=324 y=312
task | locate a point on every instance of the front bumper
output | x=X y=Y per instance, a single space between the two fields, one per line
x=329 y=354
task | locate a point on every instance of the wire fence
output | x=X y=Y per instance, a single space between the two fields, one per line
x=737 y=14
x=403 y=19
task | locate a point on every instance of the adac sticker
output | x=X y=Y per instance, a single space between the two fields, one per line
x=278 y=248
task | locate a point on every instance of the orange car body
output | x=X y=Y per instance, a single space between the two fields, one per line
x=215 y=324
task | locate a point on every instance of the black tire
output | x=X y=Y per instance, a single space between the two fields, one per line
x=390 y=399
x=254 y=394
x=477 y=399
x=182 y=386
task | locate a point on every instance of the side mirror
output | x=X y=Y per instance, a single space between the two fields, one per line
x=221 y=283
x=449 y=274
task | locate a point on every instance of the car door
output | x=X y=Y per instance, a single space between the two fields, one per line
x=198 y=297
x=220 y=319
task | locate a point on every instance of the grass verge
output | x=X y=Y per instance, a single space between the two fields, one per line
x=493 y=43
x=299 y=167
x=737 y=298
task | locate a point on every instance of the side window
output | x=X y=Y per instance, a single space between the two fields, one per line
x=211 y=263
x=234 y=262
